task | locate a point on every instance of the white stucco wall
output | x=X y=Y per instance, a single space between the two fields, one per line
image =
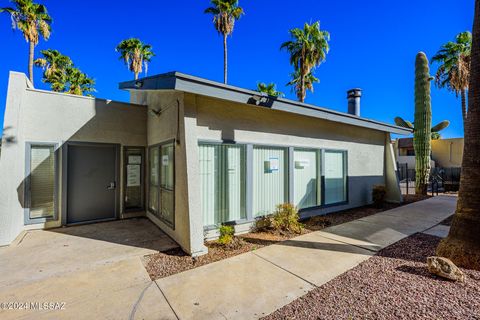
x=166 y=123
x=216 y=120
x=42 y=116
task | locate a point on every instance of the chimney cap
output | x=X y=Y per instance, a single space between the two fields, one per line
x=354 y=93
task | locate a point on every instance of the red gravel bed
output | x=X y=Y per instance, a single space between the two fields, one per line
x=164 y=264
x=394 y=284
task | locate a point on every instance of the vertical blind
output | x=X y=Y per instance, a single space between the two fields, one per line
x=42 y=181
x=269 y=179
x=306 y=178
x=335 y=180
x=222 y=174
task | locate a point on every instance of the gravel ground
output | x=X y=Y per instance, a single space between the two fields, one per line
x=164 y=264
x=394 y=284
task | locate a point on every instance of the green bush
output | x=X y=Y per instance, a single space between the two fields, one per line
x=379 y=192
x=226 y=235
x=285 y=218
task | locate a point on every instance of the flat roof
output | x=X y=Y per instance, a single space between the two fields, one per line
x=191 y=84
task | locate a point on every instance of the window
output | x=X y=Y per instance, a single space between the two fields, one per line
x=161 y=195
x=40 y=184
x=306 y=178
x=270 y=179
x=167 y=183
x=222 y=173
x=335 y=177
x=153 y=179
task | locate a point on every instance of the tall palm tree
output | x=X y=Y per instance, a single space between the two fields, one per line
x=225 y=13
x=296 y=83
x=135 y=54
x=270 y=89
x=308 y=48
x=32 y=20
x=54 y=65
x=462 y=245
x=454 y=70
x=79 y=83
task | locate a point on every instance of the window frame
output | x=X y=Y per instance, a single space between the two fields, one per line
x=142 y=178
x=345 y=174
x=157 y=214
x=26 y=183
x=290 y=174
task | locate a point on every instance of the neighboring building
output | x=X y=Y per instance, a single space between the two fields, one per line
x=446 y=153
x=188 y=153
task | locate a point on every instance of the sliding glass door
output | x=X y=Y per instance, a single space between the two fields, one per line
x=306 y=178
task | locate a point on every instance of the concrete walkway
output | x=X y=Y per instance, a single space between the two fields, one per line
x=97 y=271
x=257 y=283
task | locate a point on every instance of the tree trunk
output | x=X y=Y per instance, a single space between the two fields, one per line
x=30 y=60
x=225 y=58
x=135 y=74
x=462 y=245
x=302 y=82
x=464 y=107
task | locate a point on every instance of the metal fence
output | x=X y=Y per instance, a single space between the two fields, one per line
x=441 y=179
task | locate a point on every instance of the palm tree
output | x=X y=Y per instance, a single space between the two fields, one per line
x=225 y=13
x=135 y=54
x=462 y=245
x=454 y=70
x=270 y=89
x=308 y=48
x=79 y=83
x=32 y=20
x=296 y=83
x=54 y=65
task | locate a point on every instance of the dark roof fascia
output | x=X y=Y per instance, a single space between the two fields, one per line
x=187 y=83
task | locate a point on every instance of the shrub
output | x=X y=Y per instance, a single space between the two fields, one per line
x=379 y=192
x=285 y=218
x=226 y=235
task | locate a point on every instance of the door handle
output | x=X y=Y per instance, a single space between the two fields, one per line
x=111 y=186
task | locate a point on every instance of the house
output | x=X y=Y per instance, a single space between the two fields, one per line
x=188 y=153
x=446 y=153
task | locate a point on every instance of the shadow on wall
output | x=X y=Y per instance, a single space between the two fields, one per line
x=230 y=117
x=105 y=122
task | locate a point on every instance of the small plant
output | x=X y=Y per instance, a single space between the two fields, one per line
x=226 y=235
x=284 y=219
x=379 y=192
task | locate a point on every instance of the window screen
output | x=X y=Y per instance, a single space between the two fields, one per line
x=167 y=182
x=42 y=181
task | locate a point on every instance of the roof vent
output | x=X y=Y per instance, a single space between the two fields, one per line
x=353 y=97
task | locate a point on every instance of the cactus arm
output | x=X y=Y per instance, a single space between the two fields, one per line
x=402 y=123
x=442 y=125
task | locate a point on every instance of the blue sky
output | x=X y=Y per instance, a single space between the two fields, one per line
x=373 y=46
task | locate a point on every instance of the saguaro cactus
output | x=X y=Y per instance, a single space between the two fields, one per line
x=422 y=126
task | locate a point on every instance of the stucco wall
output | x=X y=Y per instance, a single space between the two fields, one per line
x=42 y=116
x=217 y=120
x=448 y=153
x=166 y=122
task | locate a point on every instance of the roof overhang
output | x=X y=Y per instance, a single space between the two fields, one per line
x=187 y=83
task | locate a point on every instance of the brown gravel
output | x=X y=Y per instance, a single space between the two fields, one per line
x=394 y=284
x=164 y=264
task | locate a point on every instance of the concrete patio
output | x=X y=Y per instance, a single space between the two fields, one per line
x=101 y=279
